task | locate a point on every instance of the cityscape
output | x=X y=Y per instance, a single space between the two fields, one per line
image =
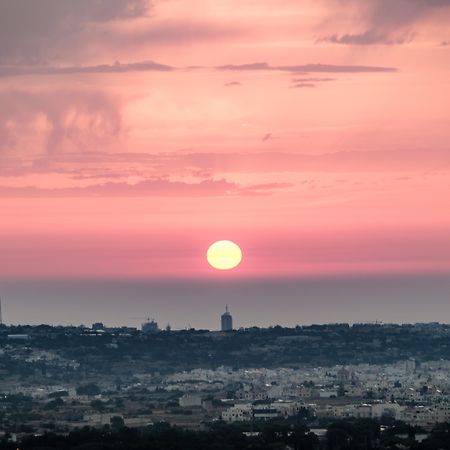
x=391 y=378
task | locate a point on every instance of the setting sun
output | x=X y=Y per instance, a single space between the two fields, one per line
x=224 y=255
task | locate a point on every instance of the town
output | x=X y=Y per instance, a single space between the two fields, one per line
x=59 y=379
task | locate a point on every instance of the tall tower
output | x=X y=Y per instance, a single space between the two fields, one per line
x=226 y=321
x=1 y=318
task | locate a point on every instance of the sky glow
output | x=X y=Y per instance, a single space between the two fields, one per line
x=134 y=134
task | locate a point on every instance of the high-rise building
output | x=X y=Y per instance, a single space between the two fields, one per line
x=151 y=326
x=97 y=326
x=226 y=320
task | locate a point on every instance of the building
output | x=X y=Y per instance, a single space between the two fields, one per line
x=150 y=326
x=18 y=337
x=269 y=410
x=226 y=321
x=238 y=413
x=190 y=400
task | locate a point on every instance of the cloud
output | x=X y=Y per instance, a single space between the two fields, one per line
x=233 y=83
x=55 y=121
x=312 y=80
x=112 y=166
x=309 y=82
x=146 y=188
x=150 y=66
x=387 y=22
x=35 y=31
x=371 y=37
x=303 y=85
x=248 y=66
x=307 y=68
x=49 y=32
x=171 y=32
x=117 y=67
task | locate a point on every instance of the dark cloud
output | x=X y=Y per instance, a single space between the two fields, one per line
x=249 y=66
x=102 y=68
x=370 y=37
x=332 y=68
x=32 y=31
x=307 y=68
x=149 y=66
x=388 y=22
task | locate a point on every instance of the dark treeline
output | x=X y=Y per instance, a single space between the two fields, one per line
x=182 y=350
x=358 y=434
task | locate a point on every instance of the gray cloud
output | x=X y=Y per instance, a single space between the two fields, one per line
x=149 y=66
x=388 y=22
x=248 y=66
x=56 y=121
x=45 y=32
x=303 y=85
x=102 y=68
x=307 y=68
x=370 y=37
x=33 y=31
x=309 y=82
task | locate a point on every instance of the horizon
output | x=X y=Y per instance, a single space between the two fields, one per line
x=135 y=134
x=248 y=328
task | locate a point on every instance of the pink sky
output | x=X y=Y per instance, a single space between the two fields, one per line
x=133 y=134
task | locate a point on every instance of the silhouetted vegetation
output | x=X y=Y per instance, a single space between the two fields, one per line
x=357 y=434
x=183 y=350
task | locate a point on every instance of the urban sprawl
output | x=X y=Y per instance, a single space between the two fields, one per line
x=59 y=379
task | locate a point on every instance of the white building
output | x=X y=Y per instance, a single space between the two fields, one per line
x=190 y=400
x=238 y=413
x=247 y=411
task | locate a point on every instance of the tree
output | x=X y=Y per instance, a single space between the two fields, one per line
x=117 y=422
x=53 y=404
x=88 y=389
x=98 y=405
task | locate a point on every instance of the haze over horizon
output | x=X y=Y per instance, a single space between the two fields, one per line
x=199 y=304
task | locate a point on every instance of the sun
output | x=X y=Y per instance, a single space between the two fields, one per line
x=224 y=255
